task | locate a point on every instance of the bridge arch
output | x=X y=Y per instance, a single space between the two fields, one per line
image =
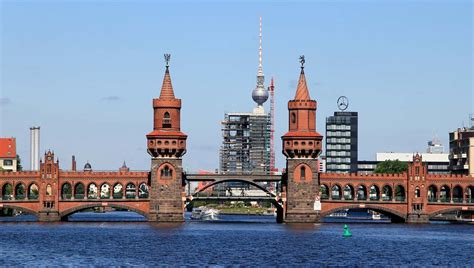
x=235 y=180
x=21 y=208
x=396 y=216
x=73 y=210
x=449 y=210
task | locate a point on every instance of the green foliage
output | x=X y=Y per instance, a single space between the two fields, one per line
x=391 y=167
x=19 y=167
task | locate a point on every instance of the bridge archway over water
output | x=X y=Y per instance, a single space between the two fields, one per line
x=20 y=208
x=66 y=213
x=395 y=216
x=269 y=196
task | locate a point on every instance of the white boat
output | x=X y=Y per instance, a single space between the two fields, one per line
x=205 y=214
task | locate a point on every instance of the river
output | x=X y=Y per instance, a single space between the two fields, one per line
x=234 y=240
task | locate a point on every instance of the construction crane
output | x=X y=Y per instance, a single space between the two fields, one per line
x=271 y=89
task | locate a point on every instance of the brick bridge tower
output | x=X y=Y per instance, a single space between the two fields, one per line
x=417 y=191
x=49 y=189
x=301 y=146
x=166 y=145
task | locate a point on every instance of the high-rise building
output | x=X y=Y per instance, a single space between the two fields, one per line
x=34 y=148
x=461 y=151
x=246 y=136
x=341 y=142
x=8 y=159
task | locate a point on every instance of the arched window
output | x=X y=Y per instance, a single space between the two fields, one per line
x=143 y=190
x=118 y=191
x=33 y=192
x=166 y=120
x=105 y=191
x=49 y=190
x=293 y=118
x=302 y=173
x=130 y=191
x=66 y=191
x=79 y=191
x=20 y=191
x=417 y=192
x=166 y=172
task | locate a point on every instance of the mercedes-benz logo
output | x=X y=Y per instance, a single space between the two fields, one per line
x=342 y=103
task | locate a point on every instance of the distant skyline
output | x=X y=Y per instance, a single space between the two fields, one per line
x=87 y=71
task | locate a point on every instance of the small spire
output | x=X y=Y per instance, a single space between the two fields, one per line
x=302 y=92
x=124 y=165
x=167 y=88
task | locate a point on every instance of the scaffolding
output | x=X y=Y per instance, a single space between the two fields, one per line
x=246 y=144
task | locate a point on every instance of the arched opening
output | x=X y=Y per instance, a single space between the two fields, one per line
x=361 y=192
x=143 y=190
x=348 y=192
x=457 y=194
x=79 y=191
x=374 y=193
x=13 y=213
x=66 y=191
x=324 y=192
x=336 y=192
x=417 y=192
x=92 y=191
x=20 y=191
x=233 y=194
x=109 y=213
x=33 y=192
x=293 y=118
x=445 y=194
x=166 y=120
x=470 y=194
x=302 y=173
x=432 y=193
x=130 y=191
x=166 y=172
x=387 y=194
x=400 y=193
x=105 y=191
x=118 y=191
x=354 y=213
x=7 y=192
x=49 y=190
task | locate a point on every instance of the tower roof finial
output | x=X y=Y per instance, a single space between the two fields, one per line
x=302 y=92
x=167 y=60
x=167 y=88
x=302 y=61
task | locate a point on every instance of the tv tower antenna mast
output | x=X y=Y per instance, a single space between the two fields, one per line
x=271 y=89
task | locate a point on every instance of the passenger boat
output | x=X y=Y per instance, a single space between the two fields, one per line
x=205 y=214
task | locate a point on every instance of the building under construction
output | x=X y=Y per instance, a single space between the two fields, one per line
x=246 y=143
x=247 y=146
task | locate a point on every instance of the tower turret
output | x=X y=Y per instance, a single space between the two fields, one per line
x=302 y=140
x=166 y=140
x=301 y=146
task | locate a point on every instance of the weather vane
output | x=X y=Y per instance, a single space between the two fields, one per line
x=302 y=61
x=167 y=60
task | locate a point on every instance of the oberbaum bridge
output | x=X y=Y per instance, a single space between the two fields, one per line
x=305 y=196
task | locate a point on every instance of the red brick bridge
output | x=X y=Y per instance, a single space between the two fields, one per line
x=416 y=196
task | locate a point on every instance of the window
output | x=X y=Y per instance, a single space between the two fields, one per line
x=166 y=120
x=166 y=172
x=417 y=192
x=302 y=173
x=293 y=118
x=417 y=171
x=8 y=162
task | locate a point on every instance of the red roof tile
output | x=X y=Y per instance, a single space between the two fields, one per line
x=7 y=148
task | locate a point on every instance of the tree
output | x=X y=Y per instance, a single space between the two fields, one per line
x=18 y=163
x=391 y=167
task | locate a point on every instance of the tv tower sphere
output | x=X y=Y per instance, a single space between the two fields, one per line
x=260 y=94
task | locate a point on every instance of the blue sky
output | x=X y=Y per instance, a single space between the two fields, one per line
x=86 y=71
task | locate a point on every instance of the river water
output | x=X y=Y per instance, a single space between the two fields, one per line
x=234 y=240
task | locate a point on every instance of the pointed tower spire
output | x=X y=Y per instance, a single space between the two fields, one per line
x=302 y=92
x=260 y=68
x=260 y=93
x=167 y=88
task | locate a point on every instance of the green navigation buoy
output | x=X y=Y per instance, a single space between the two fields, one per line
x=346 y=233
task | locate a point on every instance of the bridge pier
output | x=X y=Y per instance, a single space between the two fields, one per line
x=417 y=218
x=48 y=216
